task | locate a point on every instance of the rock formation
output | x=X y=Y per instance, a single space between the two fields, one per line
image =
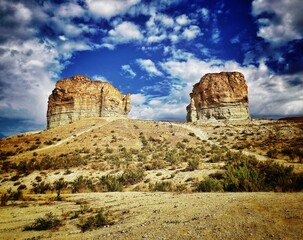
x=219 y=96
x=79 y=97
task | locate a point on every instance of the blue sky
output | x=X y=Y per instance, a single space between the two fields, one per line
x=154 y=49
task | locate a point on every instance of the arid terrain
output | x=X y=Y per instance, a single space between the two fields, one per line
x=152 y=180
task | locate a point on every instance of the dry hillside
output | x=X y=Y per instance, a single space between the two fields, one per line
x=105 y=177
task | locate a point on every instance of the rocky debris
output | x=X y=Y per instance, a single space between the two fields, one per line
x=219 y=96
x=80 y=97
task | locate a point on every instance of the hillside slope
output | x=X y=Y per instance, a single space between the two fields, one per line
x=139 y=160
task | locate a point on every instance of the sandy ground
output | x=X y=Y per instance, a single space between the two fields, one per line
x=165 y=216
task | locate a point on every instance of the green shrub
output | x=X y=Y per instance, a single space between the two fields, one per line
x=193 y=164
x=4 y=199
x=180 y=145
x=292 y=153
x=59 y=185
x=272 y=153
x=164 y=186
x=210 y=185
x=245 y=173
x=10 y=196
x=217 y=157
x=110 y=183
x=132 y=176
x=49 y=221
x=97 y=221
x=41 y=187
x=81 y=183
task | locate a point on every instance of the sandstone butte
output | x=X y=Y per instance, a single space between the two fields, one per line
x=219 y=96
x=80 y=97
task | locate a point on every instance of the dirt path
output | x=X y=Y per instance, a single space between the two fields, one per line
x=108 y=120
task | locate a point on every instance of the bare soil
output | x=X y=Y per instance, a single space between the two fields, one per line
x=165 y=216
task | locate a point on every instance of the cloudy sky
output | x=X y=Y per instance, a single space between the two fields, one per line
x=154 y=49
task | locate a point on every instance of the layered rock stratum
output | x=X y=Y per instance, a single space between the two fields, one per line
x=80 y=97
x=219 y=96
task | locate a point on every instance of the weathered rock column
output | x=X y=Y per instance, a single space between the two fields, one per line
x=79 y=97
x=219 y=96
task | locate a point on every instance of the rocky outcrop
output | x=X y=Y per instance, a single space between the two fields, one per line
x=219 y=96
x=80 y=97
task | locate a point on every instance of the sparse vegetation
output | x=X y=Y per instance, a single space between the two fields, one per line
x=245 y=173
x=100 y=219
x=210 y=185
x=110 y=183
x=132 y=176
x=48 y=222
x=59 y=185
x=164 y=186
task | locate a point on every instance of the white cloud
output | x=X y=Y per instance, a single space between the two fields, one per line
x=27 y=79
x=157 y=27
x=166 y=20
x=109 y=8
x=63 y=38
x=285 y=25
x=182 y=20
x=68 y=10
x=30 y=63
x=161 y=27
x=149 y=66
x=123 y=33
x=156 y=108
x=191 y=32
x=205 y=14
x=155 y=39
x=138 y=99
x=99 y=77
x=128 y=70
x=216 y=35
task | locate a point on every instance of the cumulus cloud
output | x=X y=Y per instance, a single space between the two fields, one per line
x=149 y=66
x=31 y=58
x=161 y=27
x=183 y=20
x=99 y=77
x=128 y=71
x=68 y=10
x=284 y=21
x=123 y=33
x=26 y=79
x=108 y=9
x=191 y=32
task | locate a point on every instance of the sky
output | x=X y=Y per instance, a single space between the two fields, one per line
x=156 y=50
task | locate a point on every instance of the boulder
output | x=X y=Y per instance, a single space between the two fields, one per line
x=80 y=97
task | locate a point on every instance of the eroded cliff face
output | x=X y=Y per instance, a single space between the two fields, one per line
x=219 y=96
x=79 y=97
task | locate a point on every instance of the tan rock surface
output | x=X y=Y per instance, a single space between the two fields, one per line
x=219 y=96
x=79 y=97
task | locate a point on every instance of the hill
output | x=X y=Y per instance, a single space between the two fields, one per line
x=80 y=163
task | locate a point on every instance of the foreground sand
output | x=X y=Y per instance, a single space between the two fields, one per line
x=165 y=216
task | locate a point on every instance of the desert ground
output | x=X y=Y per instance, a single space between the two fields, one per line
x=165 y=216
x=155 y=180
